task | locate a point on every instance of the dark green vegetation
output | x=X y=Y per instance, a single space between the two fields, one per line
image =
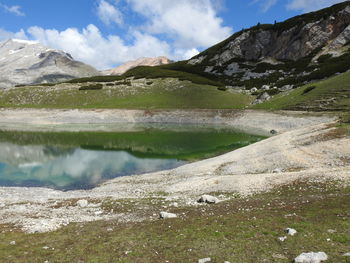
x=91 y=87
x=328 y=95
x=190 y=143
x=161 y=94
x=239 y=230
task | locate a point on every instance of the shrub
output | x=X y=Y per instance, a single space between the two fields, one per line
x=308 y=89
x=91 y=87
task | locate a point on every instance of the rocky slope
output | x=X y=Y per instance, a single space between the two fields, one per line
x=281 y=55
x=139 y=62
x=28 y=62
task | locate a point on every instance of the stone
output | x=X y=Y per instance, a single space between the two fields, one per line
x=277 y=171
x=165 y=215
x=311 y=257
x=286 y=88
x=204 y=260
x=13 y=243
x=262 y=98
x=82 y=203
x=208 y=199
x=346 y=254
x=290 y=231
x=273 y=132
x=282 y=239
x=265 y=87
x=331 y=231
x=253 y=90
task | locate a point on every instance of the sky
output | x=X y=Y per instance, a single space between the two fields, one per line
x=107 y=33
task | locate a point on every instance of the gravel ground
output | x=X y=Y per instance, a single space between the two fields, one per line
x=304 y=148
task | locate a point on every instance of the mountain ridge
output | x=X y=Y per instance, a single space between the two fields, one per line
x=28 y=62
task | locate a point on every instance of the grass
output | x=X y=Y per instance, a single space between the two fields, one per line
x=161 y=94
x=332 y=94
x=239 y=230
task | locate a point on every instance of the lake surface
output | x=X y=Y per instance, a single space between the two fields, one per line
x=82 y=160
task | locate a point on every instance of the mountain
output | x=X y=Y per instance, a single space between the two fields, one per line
x=282 y=55
x=139 y=62
x=28 y=62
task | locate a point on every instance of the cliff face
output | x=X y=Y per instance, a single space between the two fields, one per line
x=267 y=50
x=26 y=62
x=157 y=61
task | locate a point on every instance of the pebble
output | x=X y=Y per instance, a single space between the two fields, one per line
x=346 y=254
x=204 y=260
x=290 y=231
x=208 y=199
x=167 y=215
x=13 y=243
x=282 y=238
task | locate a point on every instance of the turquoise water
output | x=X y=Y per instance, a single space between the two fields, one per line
x=82 y=160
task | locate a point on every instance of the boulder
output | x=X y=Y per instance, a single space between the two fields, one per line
x=311 y=257
x=208 y=199
x=253 y=90
x=262 y=98
x=265 y=87
x=165 y=215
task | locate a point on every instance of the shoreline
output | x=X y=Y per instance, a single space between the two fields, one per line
x=250 y=121
x=304 y=148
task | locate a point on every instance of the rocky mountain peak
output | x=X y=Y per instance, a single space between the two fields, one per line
x=157 y=61
x=296 y=51
x=29 y=62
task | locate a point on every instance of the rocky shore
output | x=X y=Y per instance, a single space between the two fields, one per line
x=304 y=147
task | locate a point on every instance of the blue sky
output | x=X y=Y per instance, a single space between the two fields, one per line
x=105 y=33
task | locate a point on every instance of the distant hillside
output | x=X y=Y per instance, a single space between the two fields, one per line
x=28 y=62
x=139 y=62
x=273 y=58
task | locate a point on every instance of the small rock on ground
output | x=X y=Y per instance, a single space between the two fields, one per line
x=167 y=215
x=311 y=257
x=208 y=199
x=13 y=243
x=82 y=203
x=346 y=254
x=290 y=231
x=204 y=260
x=282 y=238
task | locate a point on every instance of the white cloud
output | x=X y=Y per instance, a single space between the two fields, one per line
x=91 y=47
x=311 y=5
x=190 y=24
x=6 y=34
x=265 y=4
x=16 y=9
x=109 y=14
x=176 y=29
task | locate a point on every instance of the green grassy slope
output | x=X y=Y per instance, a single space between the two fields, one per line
x=150 y=94
x=332 y=94
x=239 y=231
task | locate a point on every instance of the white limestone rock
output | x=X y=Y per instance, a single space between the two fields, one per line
x=166 y=215
x=311 y=257
x=208 y=199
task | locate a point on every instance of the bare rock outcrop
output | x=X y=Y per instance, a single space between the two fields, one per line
x=157 y=61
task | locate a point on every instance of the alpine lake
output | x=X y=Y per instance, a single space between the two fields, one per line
x=84 y=158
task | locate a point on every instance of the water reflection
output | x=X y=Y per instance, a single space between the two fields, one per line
x=70 y=168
